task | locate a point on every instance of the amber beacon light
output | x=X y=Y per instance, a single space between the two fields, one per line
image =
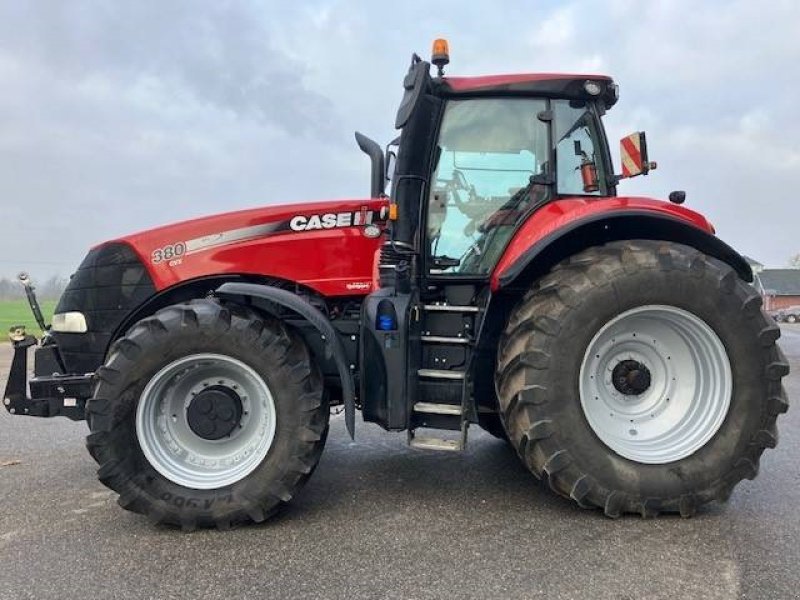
x=440 y=55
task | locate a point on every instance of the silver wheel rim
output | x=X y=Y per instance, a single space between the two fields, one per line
x=689 y=389
x=176 y=451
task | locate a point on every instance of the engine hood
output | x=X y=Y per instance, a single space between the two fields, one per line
x=326 y=246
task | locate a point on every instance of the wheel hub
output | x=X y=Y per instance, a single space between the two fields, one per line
x=205 y=421
x=655 y=384
x=631 y=377
x=215 y=412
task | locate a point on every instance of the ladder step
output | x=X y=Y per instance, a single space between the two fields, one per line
x=431 y=443
x=437 y=409
x=451 y=308
x=439 y=374
x=441 y=339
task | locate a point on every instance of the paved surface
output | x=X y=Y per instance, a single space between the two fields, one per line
x=379 y=520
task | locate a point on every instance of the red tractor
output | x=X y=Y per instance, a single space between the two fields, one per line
x=613 y=341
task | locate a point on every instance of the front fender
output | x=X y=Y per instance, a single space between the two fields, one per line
x=565 y=227
x=320 y=322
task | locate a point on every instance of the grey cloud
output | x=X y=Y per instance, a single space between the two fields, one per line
x=216 y=53
x=124 y=115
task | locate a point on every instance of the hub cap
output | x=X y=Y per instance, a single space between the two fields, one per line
x=215 y=412
x=631 y=377
x=205 y=421
x=655 y=384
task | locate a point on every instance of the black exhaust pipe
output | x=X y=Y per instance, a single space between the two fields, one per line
x=373 y=150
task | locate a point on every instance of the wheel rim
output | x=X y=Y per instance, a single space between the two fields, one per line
x=655 y=384
x=195 y=455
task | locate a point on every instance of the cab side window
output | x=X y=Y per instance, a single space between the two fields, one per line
x=576 y=153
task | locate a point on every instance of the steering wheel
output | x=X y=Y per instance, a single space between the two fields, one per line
x=460 y=182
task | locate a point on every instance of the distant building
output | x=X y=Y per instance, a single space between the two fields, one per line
x=754 y=264
x=779 y=287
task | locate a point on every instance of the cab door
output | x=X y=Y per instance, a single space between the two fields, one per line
x=493 y=167
x=498 y=160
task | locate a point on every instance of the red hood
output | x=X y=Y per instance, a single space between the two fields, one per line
x=326 y=246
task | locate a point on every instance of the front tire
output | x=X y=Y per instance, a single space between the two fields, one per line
x=593 y=409
x=205 y=415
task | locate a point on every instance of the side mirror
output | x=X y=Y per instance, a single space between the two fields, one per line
x=415 y=83
x=391 y=162
x=392 y=148
x=633 y=151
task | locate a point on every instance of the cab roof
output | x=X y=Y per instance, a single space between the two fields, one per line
x=569 y=85
x=516 y=80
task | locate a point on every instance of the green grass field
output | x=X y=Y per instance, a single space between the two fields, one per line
x=17 y=312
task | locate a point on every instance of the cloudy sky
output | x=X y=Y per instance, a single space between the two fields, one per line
x=118 y=116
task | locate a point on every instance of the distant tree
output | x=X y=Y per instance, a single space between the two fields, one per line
x=794 y=261
x=48 y=289
x=52 y=288
x=10 y=289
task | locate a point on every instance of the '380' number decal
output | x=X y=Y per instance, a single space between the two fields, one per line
x=168 y=252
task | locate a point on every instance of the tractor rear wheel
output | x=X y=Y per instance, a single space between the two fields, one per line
x=641 y=377
x=207 y=415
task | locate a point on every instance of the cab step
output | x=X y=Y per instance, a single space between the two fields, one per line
x=438 y=409
x=451 y=308
x=440 y=374
x=432 y=443
x=443 y=339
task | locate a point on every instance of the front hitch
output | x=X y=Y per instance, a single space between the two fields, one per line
x=52 y=396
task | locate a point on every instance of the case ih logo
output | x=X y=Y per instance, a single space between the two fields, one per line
x=333 y=220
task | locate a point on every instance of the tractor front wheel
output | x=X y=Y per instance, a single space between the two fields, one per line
x=641 y=377
x=207 y=415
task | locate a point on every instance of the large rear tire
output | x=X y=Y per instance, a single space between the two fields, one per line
x=641 y=377
x=205 y=415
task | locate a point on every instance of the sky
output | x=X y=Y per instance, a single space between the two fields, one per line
x=120 y=116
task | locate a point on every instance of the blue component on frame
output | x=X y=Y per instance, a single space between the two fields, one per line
x=386 y=323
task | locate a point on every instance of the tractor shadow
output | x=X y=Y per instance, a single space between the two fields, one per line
x=378 y=470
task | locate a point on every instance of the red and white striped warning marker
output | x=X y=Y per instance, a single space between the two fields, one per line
x=631 y=151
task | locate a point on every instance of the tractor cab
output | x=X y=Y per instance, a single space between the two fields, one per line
x=478 y=154
x=475 y=158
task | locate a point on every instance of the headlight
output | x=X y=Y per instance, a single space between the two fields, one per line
x=69 y=322
x=592 y=88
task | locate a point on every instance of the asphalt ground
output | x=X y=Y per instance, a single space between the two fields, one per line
x=380 y=520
